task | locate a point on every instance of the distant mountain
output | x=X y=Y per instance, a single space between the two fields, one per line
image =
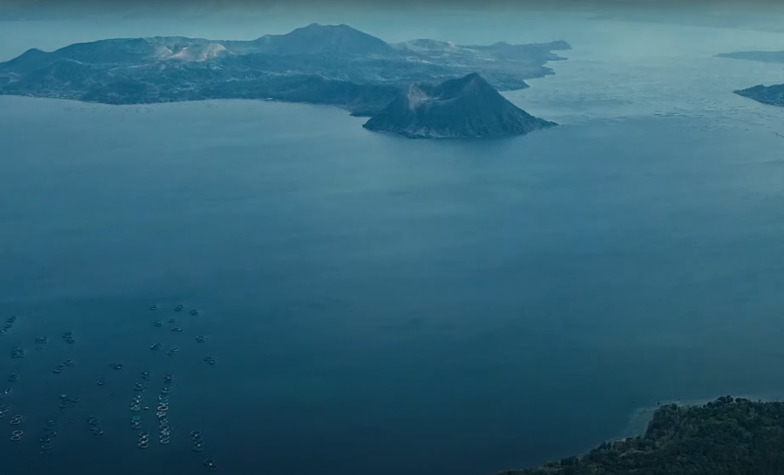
x=321 y=64
x=773 y=95
x=762 y=56
x=467 y=107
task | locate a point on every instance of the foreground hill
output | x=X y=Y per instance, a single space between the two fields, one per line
x=324 y=64
x=725 y=437
x=467 y=107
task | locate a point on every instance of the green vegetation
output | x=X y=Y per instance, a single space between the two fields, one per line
x=726 y=436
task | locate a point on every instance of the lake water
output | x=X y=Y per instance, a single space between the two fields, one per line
x=381 y=305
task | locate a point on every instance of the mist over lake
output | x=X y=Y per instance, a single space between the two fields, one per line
x=376 y=304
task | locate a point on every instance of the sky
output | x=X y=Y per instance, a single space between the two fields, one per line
x=705 y=6
x=764 y=15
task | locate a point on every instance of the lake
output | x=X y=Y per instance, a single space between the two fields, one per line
x=376 y=304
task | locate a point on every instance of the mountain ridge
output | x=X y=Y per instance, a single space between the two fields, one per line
x=323 y=64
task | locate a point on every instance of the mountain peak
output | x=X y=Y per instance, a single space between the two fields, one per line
x=325 y=39
x=470 y=79
x=470 y=83
x=327 y=30
x=319 y=26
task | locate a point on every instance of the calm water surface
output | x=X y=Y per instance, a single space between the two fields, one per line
x=394 y=306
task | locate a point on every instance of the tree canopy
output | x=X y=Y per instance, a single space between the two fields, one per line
x=732 y=436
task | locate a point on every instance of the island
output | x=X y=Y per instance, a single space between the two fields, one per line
x=772 y=95
x=467 y=107
x=729 y=436
x=320 y=64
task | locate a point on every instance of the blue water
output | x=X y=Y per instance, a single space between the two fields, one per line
x=383 y=305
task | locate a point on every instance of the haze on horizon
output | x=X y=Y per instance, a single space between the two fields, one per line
x=744 y=14
x=54 y=23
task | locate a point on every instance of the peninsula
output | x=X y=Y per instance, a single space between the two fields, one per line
x=772 y=95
